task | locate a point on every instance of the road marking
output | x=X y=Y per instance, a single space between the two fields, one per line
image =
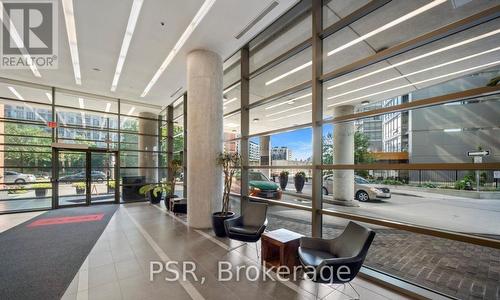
x=187 y=285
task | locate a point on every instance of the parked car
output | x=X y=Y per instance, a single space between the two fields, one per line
x=363 y=189
x=19 y=178
x=259 y=186
x=80 y=176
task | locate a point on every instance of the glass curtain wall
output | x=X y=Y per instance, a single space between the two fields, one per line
x=25 y=152
x=33 y=117
x=392 y=107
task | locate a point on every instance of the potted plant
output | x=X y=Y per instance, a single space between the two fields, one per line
x=111 y=186
x=299 y=180
x=80 y=187
x=155 y=191
x=283 y=179
x=175 y=167
x=41 y=189
x=228 y=162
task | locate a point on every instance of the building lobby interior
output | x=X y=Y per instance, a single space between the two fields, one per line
x=265 y=149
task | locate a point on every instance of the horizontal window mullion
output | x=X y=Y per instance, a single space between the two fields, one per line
x=413 y=166
x=467 y=238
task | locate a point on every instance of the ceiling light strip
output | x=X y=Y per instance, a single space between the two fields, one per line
x=231 y=87
x=307 y=64
x=388 y=26
x=289 y=101
x=16 y=93
x=69 y=18
x=288 y=109
x=292 y=115
x=187 y=33
x=230 y=100
x=468 y=41
x=416 y=72
x=17 y=40
x=132 y=21
x=419 y=82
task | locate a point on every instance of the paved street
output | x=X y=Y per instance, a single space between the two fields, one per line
x=474 y=216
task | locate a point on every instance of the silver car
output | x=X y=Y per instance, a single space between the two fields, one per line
x=19 y=178
x=363 y=189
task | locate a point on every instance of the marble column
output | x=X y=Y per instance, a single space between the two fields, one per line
x=343 y=153
x=148 y=124
x=204 y=136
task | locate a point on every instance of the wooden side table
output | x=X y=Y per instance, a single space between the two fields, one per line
x=279 y=248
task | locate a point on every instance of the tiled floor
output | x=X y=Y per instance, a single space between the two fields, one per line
x=118 y=266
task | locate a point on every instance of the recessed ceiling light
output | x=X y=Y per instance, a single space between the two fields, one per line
x=256 y=120
x=366 y=102
x=17 y=40
x=187 y=33
x=419 y=82
x=69 y=17
x=468 y=41
x=132 y=21
x=414 y=73
x=96 y=69
x=388 y=25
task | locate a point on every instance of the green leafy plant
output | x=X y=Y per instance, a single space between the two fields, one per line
x=79 y=185
x=155 y=189
x=429 y=185
x=112 y=184
x=41 y=185
x=175 y=168
x=392 y=182
x=300 y=174
x=228 y=161
x=284 y=174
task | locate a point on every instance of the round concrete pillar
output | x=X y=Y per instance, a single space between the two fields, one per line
x=148 y=124
x=204 y=136
x=343 y=153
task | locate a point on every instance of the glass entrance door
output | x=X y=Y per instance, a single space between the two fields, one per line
x=71 y=181
x=102 y=173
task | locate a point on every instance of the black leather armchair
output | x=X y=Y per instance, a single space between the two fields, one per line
x=336 y=260
x=250 y=225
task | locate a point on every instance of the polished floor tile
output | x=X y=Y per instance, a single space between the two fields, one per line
x=118 y=267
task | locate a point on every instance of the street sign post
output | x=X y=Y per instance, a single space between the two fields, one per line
x=478 y=158
x=478 y=153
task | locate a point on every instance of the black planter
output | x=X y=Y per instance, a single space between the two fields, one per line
x=154 y=199
x=40 y=192
x=299 y=183
x=283 y=182
x=218 y=223
x=80 y=191
x=167 y=200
